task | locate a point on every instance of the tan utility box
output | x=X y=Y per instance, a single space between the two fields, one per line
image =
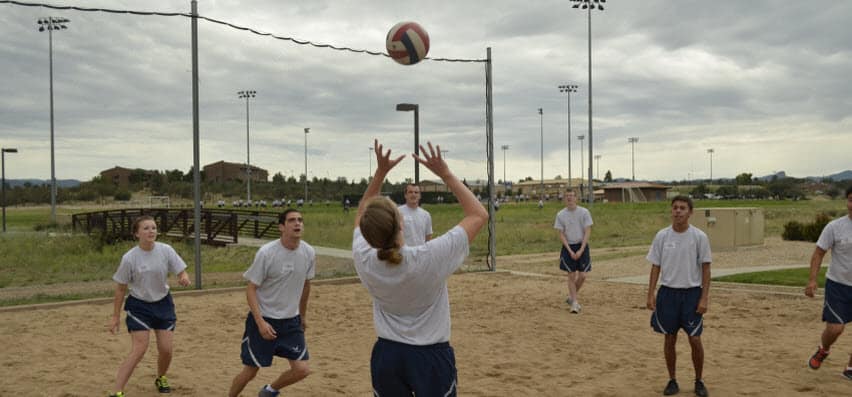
x=729 y=228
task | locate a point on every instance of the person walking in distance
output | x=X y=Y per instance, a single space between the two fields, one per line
x=680 y=258
x=574 y=226
x=279 y=284
x=837 y=308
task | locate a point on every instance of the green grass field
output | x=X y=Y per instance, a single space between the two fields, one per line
x=786 y=277
x=30 y=257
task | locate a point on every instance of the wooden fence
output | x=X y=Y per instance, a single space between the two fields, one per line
x=218 y=226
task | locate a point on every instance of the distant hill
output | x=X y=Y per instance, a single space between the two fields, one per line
x=840 y=176
x=767 y=178
x=36 y=182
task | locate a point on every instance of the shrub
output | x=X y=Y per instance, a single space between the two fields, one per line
x=793 y=231
x=798 y=231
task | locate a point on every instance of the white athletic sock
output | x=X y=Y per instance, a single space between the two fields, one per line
x=269 y=388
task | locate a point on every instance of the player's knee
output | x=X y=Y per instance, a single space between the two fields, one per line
x=695 y=341
x=301 y=370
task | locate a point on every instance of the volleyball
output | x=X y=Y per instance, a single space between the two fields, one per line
x=407 y=43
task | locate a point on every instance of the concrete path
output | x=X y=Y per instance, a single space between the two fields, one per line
x=643 y=279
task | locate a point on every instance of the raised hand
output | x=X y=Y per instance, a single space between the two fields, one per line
x=432 y=160
x=384 y=163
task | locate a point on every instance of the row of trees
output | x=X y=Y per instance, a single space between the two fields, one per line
x=745 y=187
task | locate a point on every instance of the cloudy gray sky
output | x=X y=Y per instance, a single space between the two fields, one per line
x=764 y=83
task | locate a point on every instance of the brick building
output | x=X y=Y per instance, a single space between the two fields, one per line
x=221 y=171
x=120 y=176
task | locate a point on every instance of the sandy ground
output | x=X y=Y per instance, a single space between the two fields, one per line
x=513 y=336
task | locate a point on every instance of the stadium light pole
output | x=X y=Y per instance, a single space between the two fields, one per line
x=370 y=162
x=50 y=24
x=505 y=148
x=632 y=141
x=589 y=5
x=541 y=120
x=581 y=138
x=247 y=94
x=3 y=183
x=407 y=107
x=307 y=130
x=567 y=89
x=598 y=166
x=710 y=152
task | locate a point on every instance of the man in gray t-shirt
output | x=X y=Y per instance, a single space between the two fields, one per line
x=573 y=225
x=680 y=258
x=279 y=283
x=417 y=221
x=837 y=309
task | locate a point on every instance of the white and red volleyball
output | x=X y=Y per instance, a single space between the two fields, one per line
x=407 y=43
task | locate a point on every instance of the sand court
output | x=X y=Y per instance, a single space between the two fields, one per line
x=513 y=336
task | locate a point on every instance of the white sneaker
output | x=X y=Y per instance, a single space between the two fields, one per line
x=575 y=307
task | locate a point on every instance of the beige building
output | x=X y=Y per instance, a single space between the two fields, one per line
x=629 y=192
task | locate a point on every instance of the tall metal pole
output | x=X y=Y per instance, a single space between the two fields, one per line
x=52 y=155
x=632 y=140
x=489 y=135
x=247 y=94
x=3 y=152
x=568 y=89
x=3 y=184
x=505 y=148
x=589 y=5
x=581 y=138
x=541 y=120
x=591 y=184
x=50 y=24
x=196 y=162
x=598 y=166
x=307 y=130
x=370 y=161
x=711 y=151
x=417 y=143
x=248 y=155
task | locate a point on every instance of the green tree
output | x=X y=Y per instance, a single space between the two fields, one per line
x=743 y=179
x=608 y=176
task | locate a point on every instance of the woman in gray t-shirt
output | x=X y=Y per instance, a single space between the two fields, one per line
x=149 y=306
x=408 y=285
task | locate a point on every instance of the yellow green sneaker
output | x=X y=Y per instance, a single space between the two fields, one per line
x=117 y=394
x=163 y=384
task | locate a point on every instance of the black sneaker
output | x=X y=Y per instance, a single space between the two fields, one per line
x=163 y=384
x=700 y=389
x=671 y=388
x=848 y=373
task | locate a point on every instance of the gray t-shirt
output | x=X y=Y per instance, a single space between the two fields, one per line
x=279 y=274
x=837 y=237
x=418 y=225
x=573 y=224
x=410 y=300
x=680 y=256
x=147 y=272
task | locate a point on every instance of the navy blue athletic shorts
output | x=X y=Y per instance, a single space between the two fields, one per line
x=676 y=308
x=399 y=369
x=584 y=264
x=290 y=342
x=143 y=316
x=838 y=303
